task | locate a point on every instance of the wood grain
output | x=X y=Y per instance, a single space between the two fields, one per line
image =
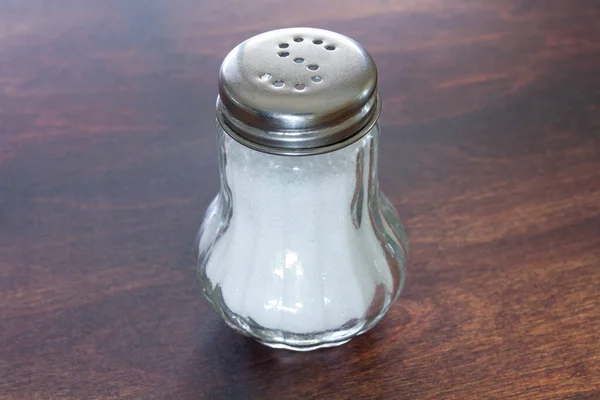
x=108 y=159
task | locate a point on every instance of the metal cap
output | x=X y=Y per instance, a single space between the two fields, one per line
x=298 y=91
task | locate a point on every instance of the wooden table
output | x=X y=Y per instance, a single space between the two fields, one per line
x=491 y=153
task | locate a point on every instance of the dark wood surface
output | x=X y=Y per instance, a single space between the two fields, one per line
x=491 y=153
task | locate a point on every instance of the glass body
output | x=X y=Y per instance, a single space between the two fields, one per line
x=301 y=252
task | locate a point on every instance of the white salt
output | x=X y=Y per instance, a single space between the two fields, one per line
x=292 y=258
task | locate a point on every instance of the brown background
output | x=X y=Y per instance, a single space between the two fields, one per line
x=491 y=153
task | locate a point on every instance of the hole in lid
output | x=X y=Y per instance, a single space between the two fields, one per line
x=283 y=54
x=330 y=47
x=317 y=41
x=316 y=79
x=278 y=83
x=300 y=86
x=299 y=60
x=283 y=45
x=266 y=76
x=313 y=67
x=298 y=39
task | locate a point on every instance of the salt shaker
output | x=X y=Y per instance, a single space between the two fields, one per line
x=300 y=249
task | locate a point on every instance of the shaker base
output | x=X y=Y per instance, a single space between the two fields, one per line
x=301 y=342
x=309 y=345
x=303 y=348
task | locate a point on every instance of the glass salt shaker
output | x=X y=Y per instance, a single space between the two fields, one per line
x=300 y=249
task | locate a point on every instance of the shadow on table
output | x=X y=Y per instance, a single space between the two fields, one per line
x=227 y=365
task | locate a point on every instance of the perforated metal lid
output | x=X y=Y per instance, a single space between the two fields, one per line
x=298 y=91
